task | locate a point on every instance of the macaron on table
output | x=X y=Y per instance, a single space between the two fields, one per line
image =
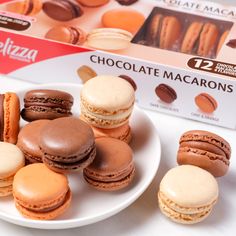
x=166 y=194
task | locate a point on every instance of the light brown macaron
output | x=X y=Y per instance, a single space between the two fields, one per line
x=163 y=31
x=9 y=117
x=66 y=34
x=28 y=140
x=113 y=167
x=206 y=150
x=200 y=38
x=222 y=41
x=86 y=73
x=206 y=103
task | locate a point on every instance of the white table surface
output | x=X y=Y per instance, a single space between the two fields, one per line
x=143 y=216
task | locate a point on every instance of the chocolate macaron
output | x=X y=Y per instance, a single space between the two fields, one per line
x=46 y=104
x=62 y=10
x=206 y=150
x=28 y=140
x=66 y=34
x=9 y=117
x=113 y=167
x=166 y=93
x=67 y=144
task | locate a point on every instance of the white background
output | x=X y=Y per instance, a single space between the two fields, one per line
x=143 y=217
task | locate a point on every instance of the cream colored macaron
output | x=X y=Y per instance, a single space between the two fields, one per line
x=11 y=160
x=110 y=39
x=187 y=194
x=107 y=101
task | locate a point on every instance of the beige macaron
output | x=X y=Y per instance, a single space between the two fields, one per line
x=107 y=101
x=187 y=194
x=11 y=160
x=110 y=39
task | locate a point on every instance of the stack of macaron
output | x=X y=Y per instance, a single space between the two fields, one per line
x=188 y=192
x=106 y=104
x=54 y=143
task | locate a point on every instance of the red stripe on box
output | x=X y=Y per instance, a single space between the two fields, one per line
x=17 y=51
x=3 y=1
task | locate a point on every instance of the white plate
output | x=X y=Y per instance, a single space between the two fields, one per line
x=89 y=205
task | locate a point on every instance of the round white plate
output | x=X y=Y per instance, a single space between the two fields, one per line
x=90 y=205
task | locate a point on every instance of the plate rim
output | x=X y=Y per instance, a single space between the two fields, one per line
x=72 y=223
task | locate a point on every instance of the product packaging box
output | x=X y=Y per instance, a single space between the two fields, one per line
x=179 y=54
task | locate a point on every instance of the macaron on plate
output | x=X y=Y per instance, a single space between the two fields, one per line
x=86 y=207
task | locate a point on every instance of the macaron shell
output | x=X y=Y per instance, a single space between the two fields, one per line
x=46 y=215
x=11 y=160
x=6 y=191
x=170 y=32
x=93 y=3
x=207 y=39
x=215 y=164
x=109 y=39
x=5 y=182
x=181 y=217
x=28 y=140
x=191 y=37
x=222 y=40
x=192 y=180
x=111 y=186
x=207 y=137
x=166 y=93
x=154 y=29
x=38 y=186
x=97 y=93
x=126 y=19
x=11 y=117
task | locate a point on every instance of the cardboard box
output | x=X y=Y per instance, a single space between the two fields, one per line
x=190 y=81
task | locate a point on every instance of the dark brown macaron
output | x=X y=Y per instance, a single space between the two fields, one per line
x=28 y=140
x=231 y=43
x=126 y=2
x=67 y=144
x=206 y=103
x=113 y=167
x=62 y=10
x=66 y=34
x=206 y=150
x=166 y=93
x=130 y=80
x=46 y=104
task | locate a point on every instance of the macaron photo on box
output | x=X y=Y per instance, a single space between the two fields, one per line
x=179 y=55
